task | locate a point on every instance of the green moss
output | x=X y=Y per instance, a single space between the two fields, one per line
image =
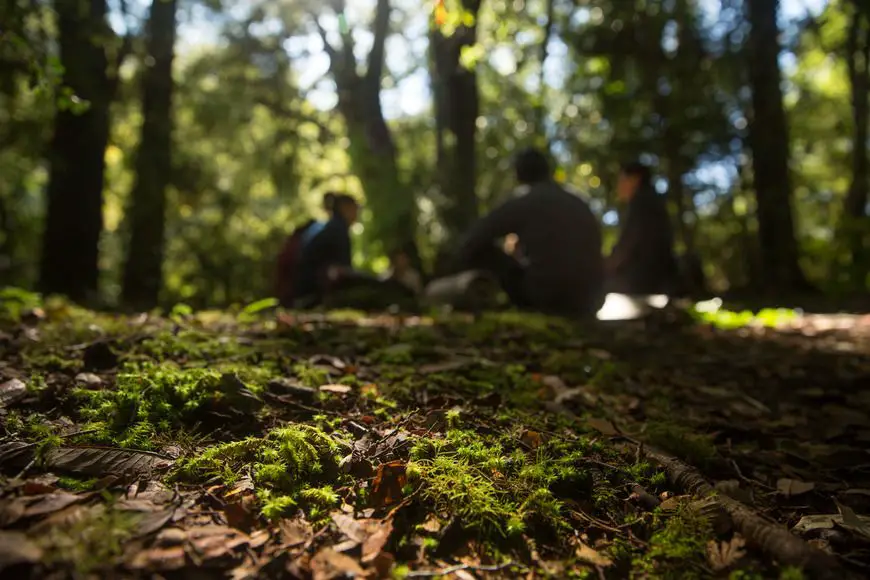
x=494 y=487
x=791 y=573
x=89 y=542
x=76 y=484
x=311 y=376
x=289 y=466
x=695 y=448
x=191 y=344
x=677 y=549
x=159 y=398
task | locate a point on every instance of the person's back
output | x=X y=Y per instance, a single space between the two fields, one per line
x=560 y=240
x=326 y=246
x=643 y=260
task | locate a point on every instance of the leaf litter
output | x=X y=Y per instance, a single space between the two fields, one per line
x=501 y=445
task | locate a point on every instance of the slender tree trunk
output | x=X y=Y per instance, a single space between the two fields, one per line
x=854 y=221
x=769 y=141
x=143 y=270
x=74 y=216
x=372 y=148
x=457 y=106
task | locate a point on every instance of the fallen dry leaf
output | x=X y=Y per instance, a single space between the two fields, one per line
x=853 y=522
x=16 y=548
x=793 y=487
x=379 y=534
x=162 y=559
x=295 y=532
x=723 y=555
x=532 y=439
x=388 y=484
x=589 y=555
x=100 y=461
x=328 y=564
x=603 y=426
x=11 y=392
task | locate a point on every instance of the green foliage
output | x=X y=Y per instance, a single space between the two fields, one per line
x=677 y=550
x=150 y=399
x=286 y=465
x=16 y=301
x=493 y=487
x=695 y=448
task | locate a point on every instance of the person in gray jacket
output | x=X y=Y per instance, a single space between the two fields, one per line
x=562 y=271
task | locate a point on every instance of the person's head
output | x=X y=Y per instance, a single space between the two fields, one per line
x=400 y=261
x=531 y=167
x=632 y=177
x=342 y=205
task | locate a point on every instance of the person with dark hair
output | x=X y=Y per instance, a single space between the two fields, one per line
x=285 y=286
x=643 y=260
x=561 y=268
x=325 y=253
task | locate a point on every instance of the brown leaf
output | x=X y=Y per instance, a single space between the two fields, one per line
x=295 y=532
x=379 y=534
x=589 y=555
x=33 y=487
x=603 y=426
x=328 y=564
x=531 y=438
x=337 y=389
x=432 y=525
x=11 y=392
x=159 y=559
x=213 y=541
x=99 y=461
x=354 y=529
x=52 y=502
x=17 y=548
x=793 y=487
x=388 y=484
x=240 y=514
x=724 y=555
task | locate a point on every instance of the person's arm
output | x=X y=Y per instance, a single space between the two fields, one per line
x=503 y=220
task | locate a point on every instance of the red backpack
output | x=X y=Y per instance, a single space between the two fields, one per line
x=288 y=261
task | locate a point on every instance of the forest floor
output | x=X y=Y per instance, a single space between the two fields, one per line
x=232 y=445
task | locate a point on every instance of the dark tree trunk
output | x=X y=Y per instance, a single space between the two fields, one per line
x=769 y=141
x=74 y=216
x=854 y=222
x=372 y=148
x=143 y=270
x=457 y=106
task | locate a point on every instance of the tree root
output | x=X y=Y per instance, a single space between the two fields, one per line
x=771 y=538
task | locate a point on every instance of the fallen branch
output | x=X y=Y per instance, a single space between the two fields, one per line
x=772 y=539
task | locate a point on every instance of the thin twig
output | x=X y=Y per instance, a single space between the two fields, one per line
x=458 y=568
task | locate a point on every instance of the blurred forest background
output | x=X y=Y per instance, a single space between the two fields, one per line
x=154 y=152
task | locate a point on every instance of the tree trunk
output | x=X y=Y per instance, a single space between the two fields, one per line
x=74 y=216
x=769 y=141
x=372 y=148
x=854 y=222
x=457 y=106
x=143 y=270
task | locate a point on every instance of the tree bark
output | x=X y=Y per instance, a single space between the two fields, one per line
x=372 y=148
x=854 y=221
x=74 y=218
x=143 y=270
x=457 y=106
x=769 y=142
